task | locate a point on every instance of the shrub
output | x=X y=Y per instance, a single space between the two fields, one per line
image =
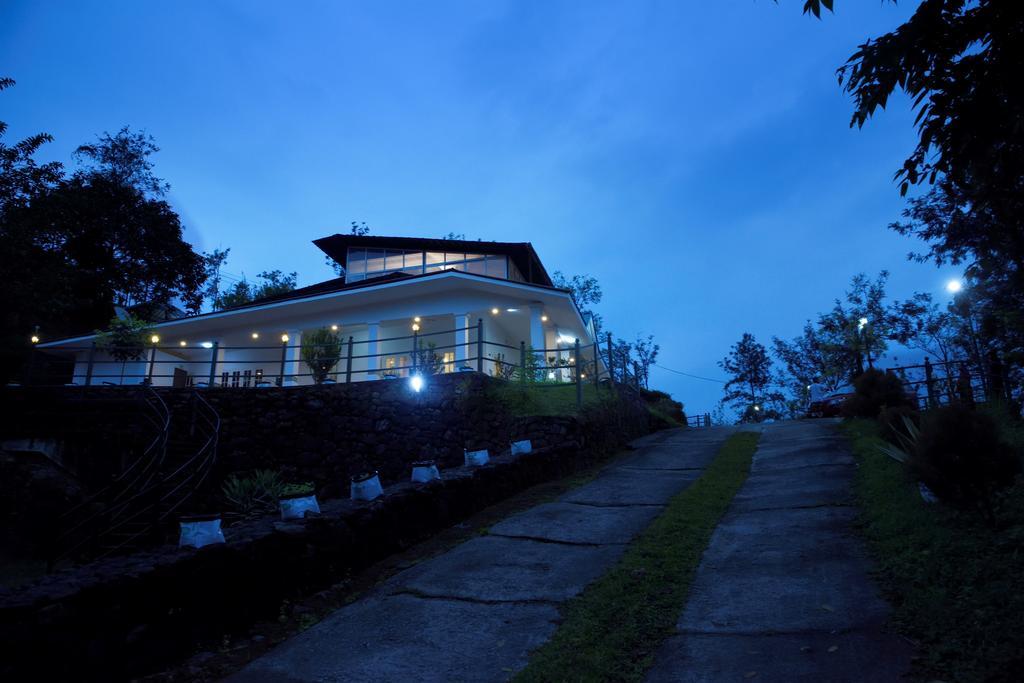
x=873 y=390
x=962 y=458
x=893 y=422
x=254 y=494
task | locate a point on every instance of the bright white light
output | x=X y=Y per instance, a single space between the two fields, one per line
x=544 y=318
x=255 y=335
x=954 y=286
x=756 y=408
x=416 y=382
x=551 y=375
x=155 y=339
x=861 y=323
x=334 y=328
x=566 y=339
x=284 y=338
x=512 y=310
x=183 y=343
x=207 y=345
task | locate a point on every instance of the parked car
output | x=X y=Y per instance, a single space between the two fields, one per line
x=831 y=405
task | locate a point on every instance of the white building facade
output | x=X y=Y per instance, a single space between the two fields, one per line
x=404 y=306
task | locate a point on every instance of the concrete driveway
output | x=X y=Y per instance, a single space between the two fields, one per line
x=783 y=591
x=476 y=612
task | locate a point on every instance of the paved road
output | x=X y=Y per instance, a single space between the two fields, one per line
x=783 y=593
x=475 y=612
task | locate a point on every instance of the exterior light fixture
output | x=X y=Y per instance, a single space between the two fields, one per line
x=416 y=383
x=183 y=343
x=757 y=408
x=416 y=319
x=551 y=375
x=495 y=311
x=415 y=327
x=35 y=338
x=207 y=345
x=512 y=310
x=583 y=375
x=284 y=338
x=155 y=339
x=334 y=328
x=255 y=335
x=543 y=318
x=954 y=286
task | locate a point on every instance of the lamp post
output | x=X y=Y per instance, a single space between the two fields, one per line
x=861 y=324
x=155 y=339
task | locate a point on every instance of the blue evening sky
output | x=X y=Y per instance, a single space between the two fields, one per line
x=694 y=156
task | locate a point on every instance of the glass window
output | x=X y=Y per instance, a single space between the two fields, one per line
x=470 y=257
x=455 y=266
x=374 y=260
x=414 y=261
x=496 y=266
x=394 y=260
x=435 y=269
x=479 y=267
x=356 y=261
x=452 y=258
x=434 y=257
x=354 y=278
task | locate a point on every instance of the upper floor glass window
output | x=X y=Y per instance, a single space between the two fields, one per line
x=369 y=263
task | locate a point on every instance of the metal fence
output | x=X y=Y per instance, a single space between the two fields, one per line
x=347 y=360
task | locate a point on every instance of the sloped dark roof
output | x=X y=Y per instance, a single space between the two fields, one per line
x=522 y=253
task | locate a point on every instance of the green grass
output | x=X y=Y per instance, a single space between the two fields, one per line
x=543 y=398
x=955 y=582
x=611 y=631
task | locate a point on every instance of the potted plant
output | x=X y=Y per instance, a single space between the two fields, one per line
x=366 y=486
x=198 y=531
x=424 y=471
x=321 y=351
x=298 y=499
x=476 y=458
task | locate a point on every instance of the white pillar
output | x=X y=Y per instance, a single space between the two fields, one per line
x=372 y=361
x=537 y=327
x=293 y=358
x=461 y=340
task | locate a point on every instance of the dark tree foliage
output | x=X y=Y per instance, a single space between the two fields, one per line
x=75 y=247
x=809 y=358
x=272 y=283
x=357 y=228
x=749 y=390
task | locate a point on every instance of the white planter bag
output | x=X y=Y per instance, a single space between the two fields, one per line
x=297 y=507
x=200 y=532
x=366 y=487
x=520 y=447
x=476 y=458
x=425 y=471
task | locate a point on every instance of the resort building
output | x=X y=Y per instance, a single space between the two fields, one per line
x=403 y=305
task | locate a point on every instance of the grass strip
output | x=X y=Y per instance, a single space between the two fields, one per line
x=611 y=631
x=956 y=583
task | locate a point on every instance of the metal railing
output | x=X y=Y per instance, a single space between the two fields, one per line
x=345 y=361
x=141 y=502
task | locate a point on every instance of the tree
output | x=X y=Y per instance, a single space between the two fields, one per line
x=585 y=291
x=321 y=351
x=243 y=292
x=124 y=339
x=358 y=229
x=809 y=358
x=646 y=354
x=21 y=176
x=749 y=388
x=80 y=246
x=454 y=236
